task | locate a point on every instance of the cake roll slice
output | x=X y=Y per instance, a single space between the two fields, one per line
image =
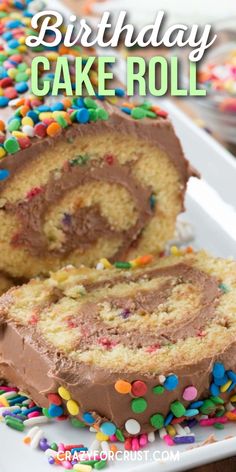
x=136 y=349
x=80 y=177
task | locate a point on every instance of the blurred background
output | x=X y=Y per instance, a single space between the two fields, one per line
x=216 y=113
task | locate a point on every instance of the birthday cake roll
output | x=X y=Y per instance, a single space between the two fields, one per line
x=129 y=350
x=80 y=178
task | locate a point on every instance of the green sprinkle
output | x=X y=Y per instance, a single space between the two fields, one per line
x=11 y=145
x=102 y=114
x=92 y=463
x=177 y=409
x=207 y=407
x=45 y=412
x=77 y=423
x=120 y=435
x=90 y=103
x=220 y=412
x=122 y=265
x=139 y=405
x=14 y=125
x=62 y=122
x=138 y=113
x=157 y=421
x=217 y=400
x=100 y=465
x=152 y=201
x=22 y=77
x=218 y=426
x=224 y=287
x=14 y=423
x=79 y=160
x=54 y=446
x=158 y=390
x=22 y=67
x=151 y=114
x=93 y=116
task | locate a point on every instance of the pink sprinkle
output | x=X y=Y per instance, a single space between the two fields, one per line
x=168 y=440
x=61 y=447
x=135 y=444
x=8 y=389
x=211 y=421
x=34 y=414
x=66 y=465
x=113 y=438
x=143 y=440
x=190 y=393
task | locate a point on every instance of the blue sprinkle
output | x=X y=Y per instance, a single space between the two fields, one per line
x=18 y=399
x=82 y=115
x=13 y=43
x=78 y=449
x=214 y=389
x=88 y=418
x=191 y=412
x=43 y=108
x=171 y=382
x=80 y=102
x=218 y=370
x=126 y=110
x=184 y=439
x=4 y=102
x=108 y=428
x=30 y=410
x=21 y=87
x=119 y=92
x=58 y=107
x=33 y=115
x=196 y=404
x=232 y=386
x=100 y=97
x=7 y=36
x=13 y=24
x=168 y=419
x=231 y=375
x=221 y=381
x=55 y=411
x=4 y=174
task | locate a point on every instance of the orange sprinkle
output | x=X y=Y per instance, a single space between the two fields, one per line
x=189 y=250
x=24 y=110
x=123 y=387
x=113 y=448
x=230 y=415
x=66 y=102
x=54 y=129
x=143 y=260
x=27 y=440
x=127 y=105
x=2 y=125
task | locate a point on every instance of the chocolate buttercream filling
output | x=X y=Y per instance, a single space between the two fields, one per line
x=87 y=225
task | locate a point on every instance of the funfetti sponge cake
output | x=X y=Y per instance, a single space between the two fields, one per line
x=131 y=350
x=80 y=178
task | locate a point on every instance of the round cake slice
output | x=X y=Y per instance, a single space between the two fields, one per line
x=129 y=350
x=81 y=177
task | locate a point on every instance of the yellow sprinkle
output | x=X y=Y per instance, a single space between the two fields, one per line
x=45 y=115
x=72 y=407
x=18 y=134
x=22 y=40
x=3 y=401
x=171 y=430
x=225 y=387
x=64 y=393
x=175 y=251
x=2 y=152
x=106 y=263
x=12 y=72
x=1 y=92
x=27 y=121
x=101 y=436
x=82 y=468
x=22 y=48
x=52 y=56
x=233 y=398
